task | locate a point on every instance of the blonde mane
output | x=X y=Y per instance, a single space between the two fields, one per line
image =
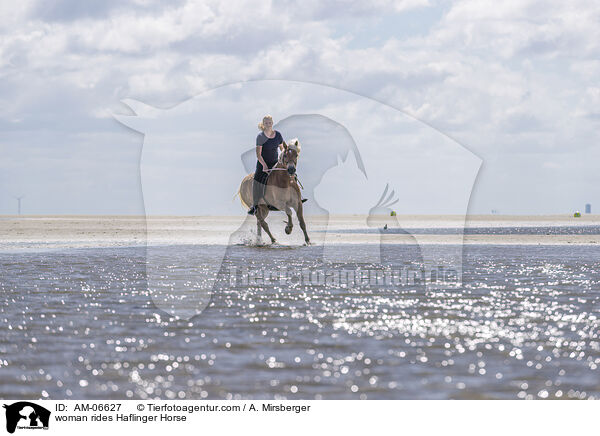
x=294 y=144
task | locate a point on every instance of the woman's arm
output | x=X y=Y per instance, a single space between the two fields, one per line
x=260 y=158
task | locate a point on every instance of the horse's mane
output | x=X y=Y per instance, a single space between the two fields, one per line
x=294 y=144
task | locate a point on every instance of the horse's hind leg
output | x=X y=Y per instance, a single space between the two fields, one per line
x=290 y=225
x=261 y=215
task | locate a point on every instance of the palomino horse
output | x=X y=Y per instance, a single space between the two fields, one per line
x=282 y=191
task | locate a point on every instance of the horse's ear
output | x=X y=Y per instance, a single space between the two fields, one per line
x=285 y=146
x=296 y=142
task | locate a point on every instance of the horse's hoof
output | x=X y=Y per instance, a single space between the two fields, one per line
x=288 y=230
x=273 y=241
x=307 y=243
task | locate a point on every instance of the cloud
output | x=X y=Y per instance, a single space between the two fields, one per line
x=504 y=79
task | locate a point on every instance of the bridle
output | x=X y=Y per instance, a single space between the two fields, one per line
x=283 y=166
x=280 y=161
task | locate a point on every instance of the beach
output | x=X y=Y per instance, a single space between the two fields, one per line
x=30 y=232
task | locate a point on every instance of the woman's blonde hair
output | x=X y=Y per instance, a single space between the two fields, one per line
x=266 y=117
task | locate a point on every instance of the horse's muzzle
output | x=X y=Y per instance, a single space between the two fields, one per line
x=291 y=170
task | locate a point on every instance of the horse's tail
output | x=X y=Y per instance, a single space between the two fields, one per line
x=245 y=190
x=238 y=193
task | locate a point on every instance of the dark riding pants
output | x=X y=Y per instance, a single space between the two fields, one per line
x=260 y=182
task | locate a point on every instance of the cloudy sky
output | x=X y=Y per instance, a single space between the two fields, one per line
x=514 y=82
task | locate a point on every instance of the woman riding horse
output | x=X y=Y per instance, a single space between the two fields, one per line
x=267 y=142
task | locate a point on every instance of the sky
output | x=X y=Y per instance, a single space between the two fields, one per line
x=514 y=83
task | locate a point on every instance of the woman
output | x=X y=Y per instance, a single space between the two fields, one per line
x=267 y=143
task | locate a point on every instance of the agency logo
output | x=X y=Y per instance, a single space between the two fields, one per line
x=355 y=150
x=26 y=415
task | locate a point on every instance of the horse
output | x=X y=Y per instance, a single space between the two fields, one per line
x=282 y=192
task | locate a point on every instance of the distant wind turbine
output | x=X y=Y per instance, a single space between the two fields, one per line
x=19 y=203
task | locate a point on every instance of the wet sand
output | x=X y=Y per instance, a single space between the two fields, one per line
x=114 y=231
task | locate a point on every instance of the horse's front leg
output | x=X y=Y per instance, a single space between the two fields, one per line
x=261 y=215
x=290 y=225
x=300 y=214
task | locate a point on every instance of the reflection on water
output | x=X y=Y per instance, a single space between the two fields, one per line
x=497 y=230
x=81 y=324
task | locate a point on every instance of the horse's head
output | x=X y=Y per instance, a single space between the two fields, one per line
x=290 y=154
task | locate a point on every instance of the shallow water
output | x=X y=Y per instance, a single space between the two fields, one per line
x=496 y=230
x=81 y=323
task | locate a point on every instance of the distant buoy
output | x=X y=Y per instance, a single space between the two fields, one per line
x=393 y=213
x=577 y=214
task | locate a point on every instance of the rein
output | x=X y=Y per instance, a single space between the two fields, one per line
x=280 y=162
